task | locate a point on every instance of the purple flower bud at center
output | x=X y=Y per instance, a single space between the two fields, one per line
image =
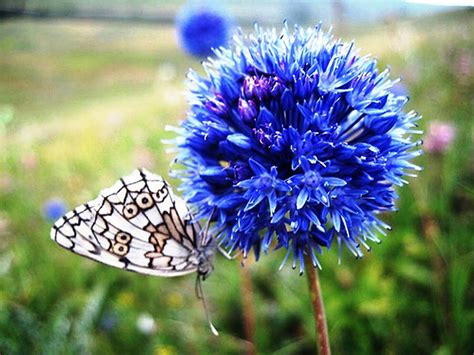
x=248 y=110
x=261 y=88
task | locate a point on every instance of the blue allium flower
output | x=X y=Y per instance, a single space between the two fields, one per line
x=201 y=28
x=297 y=141
x=54 y=208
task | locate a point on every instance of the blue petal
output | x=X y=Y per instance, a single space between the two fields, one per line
x=302 y=198
x=312 y=216
x=305 y=164
x=214 y=175
x=246 y=184
x=381 y=124
x=257 y=168
x=240 y=140
x=254 y=201
x=265 y=116
x=307 y=113
x=336 y=220
x=230 y=201
x=332 y=181
x=287 y=100
x=323 y=196
x=279 y=215
x=272 y=200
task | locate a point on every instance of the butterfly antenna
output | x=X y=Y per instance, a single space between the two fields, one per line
x=200 y=295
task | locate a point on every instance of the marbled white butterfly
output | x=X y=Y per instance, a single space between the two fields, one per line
x=139 y=225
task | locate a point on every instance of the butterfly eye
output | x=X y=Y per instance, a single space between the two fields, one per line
x=144 y=200
x=123 y=238
x=161 y=194
x=120 y=249
x=130 y=210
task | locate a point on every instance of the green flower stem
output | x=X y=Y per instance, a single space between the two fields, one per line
x=318 y=308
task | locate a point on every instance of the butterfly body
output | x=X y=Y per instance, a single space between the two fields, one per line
x=139 y=225
x=205 y=262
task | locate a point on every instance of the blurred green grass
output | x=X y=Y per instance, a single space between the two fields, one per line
x=90 y=101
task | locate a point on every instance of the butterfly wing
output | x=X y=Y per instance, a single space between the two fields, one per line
x=137 y=224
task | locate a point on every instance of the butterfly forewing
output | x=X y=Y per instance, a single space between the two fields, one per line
x=143 y=205
x=137 y=224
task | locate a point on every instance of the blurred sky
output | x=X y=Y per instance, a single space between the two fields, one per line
x=353 y=11
x=245 y=11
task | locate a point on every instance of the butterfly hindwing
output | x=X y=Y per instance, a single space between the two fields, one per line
x=137 y=224
x=73 y=232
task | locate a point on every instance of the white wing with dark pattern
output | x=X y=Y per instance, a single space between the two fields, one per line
x=137 y=224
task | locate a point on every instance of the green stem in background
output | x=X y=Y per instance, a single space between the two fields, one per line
x=438 y=200
x=431 y=232
x=319 y=313
x=248 y=309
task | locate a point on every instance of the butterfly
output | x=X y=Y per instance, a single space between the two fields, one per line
x=139 y=225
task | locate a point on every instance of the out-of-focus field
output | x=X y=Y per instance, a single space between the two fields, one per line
x=82 y=103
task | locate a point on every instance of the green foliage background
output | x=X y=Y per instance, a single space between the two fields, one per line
x=82 y=103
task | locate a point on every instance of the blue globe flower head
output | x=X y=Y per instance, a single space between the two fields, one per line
x=202 y=27
x=54 y=208
x=295 y=141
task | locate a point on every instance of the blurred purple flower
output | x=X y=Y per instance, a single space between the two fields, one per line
x=202 y=27
x=464 y=67
x=465 y=64
x=29 y=161
x=54 y=208
x=6 y=183
x=440 y=136
x=144 y=158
